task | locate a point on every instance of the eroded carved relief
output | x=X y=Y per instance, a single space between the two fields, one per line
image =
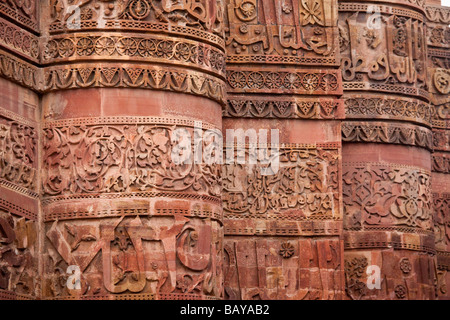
x=301 y=32
x=403 y=275
x=142 y=257
x=382 y=52
x=18 y=256
x=297 y=269
x=122 y=158
x=203 y=15
x=18 y=155
x=306 y=185
x=377 y=194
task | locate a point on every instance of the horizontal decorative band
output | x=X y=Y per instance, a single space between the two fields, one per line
x=143 y=26
x=19 y=40
x=73 y=215
x=436 y=52
x=134 y=195
x=382 y=164
x=127 y=120
x=383 y=87
x=23 y=12
x=20 y=179
x=389 y=245
x=380 y=132
x=17 y=210
x=7 y=114
x=128 y=47
x=10 y=295
x=276 y=59
x=382 y=107
x=19 y=71
x=438 y=14
x=138 y=296
x=274 y=81
x=441 y=162
x=257 y=227
x=263 y=107
x=133 y=76
x=387 y=9
x=391 y=229
x=376 y=240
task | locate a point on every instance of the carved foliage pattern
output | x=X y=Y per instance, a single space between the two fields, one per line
x=123 y=158
x=404 y=275
x=305 y=184
x=387 y=133
x=18 y=154
x=442 y=221
x=84 y=76
x=377 y=194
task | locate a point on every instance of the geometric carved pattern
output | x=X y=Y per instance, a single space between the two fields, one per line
x=134 y=76
x=388 y=108
x=300 y=81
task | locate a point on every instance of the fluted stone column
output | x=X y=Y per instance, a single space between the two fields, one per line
x=19 y=151
x=283 y=230
x=388 y=206
x=438 y=38
x=130 y=86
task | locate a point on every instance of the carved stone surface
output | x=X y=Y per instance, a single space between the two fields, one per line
x=94 y=95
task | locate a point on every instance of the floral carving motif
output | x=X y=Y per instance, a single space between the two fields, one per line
x=405 y=265
x=354 y=271
x=18 y=152
x=305 y=183
x=287 y=81
x=287 y=250
x=377 y=194
x=105 y=158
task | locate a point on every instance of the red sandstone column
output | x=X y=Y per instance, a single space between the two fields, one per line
x=438 y=37
x=283 y=230
x=122 y=80
x=387 y=190
x=19 y=151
